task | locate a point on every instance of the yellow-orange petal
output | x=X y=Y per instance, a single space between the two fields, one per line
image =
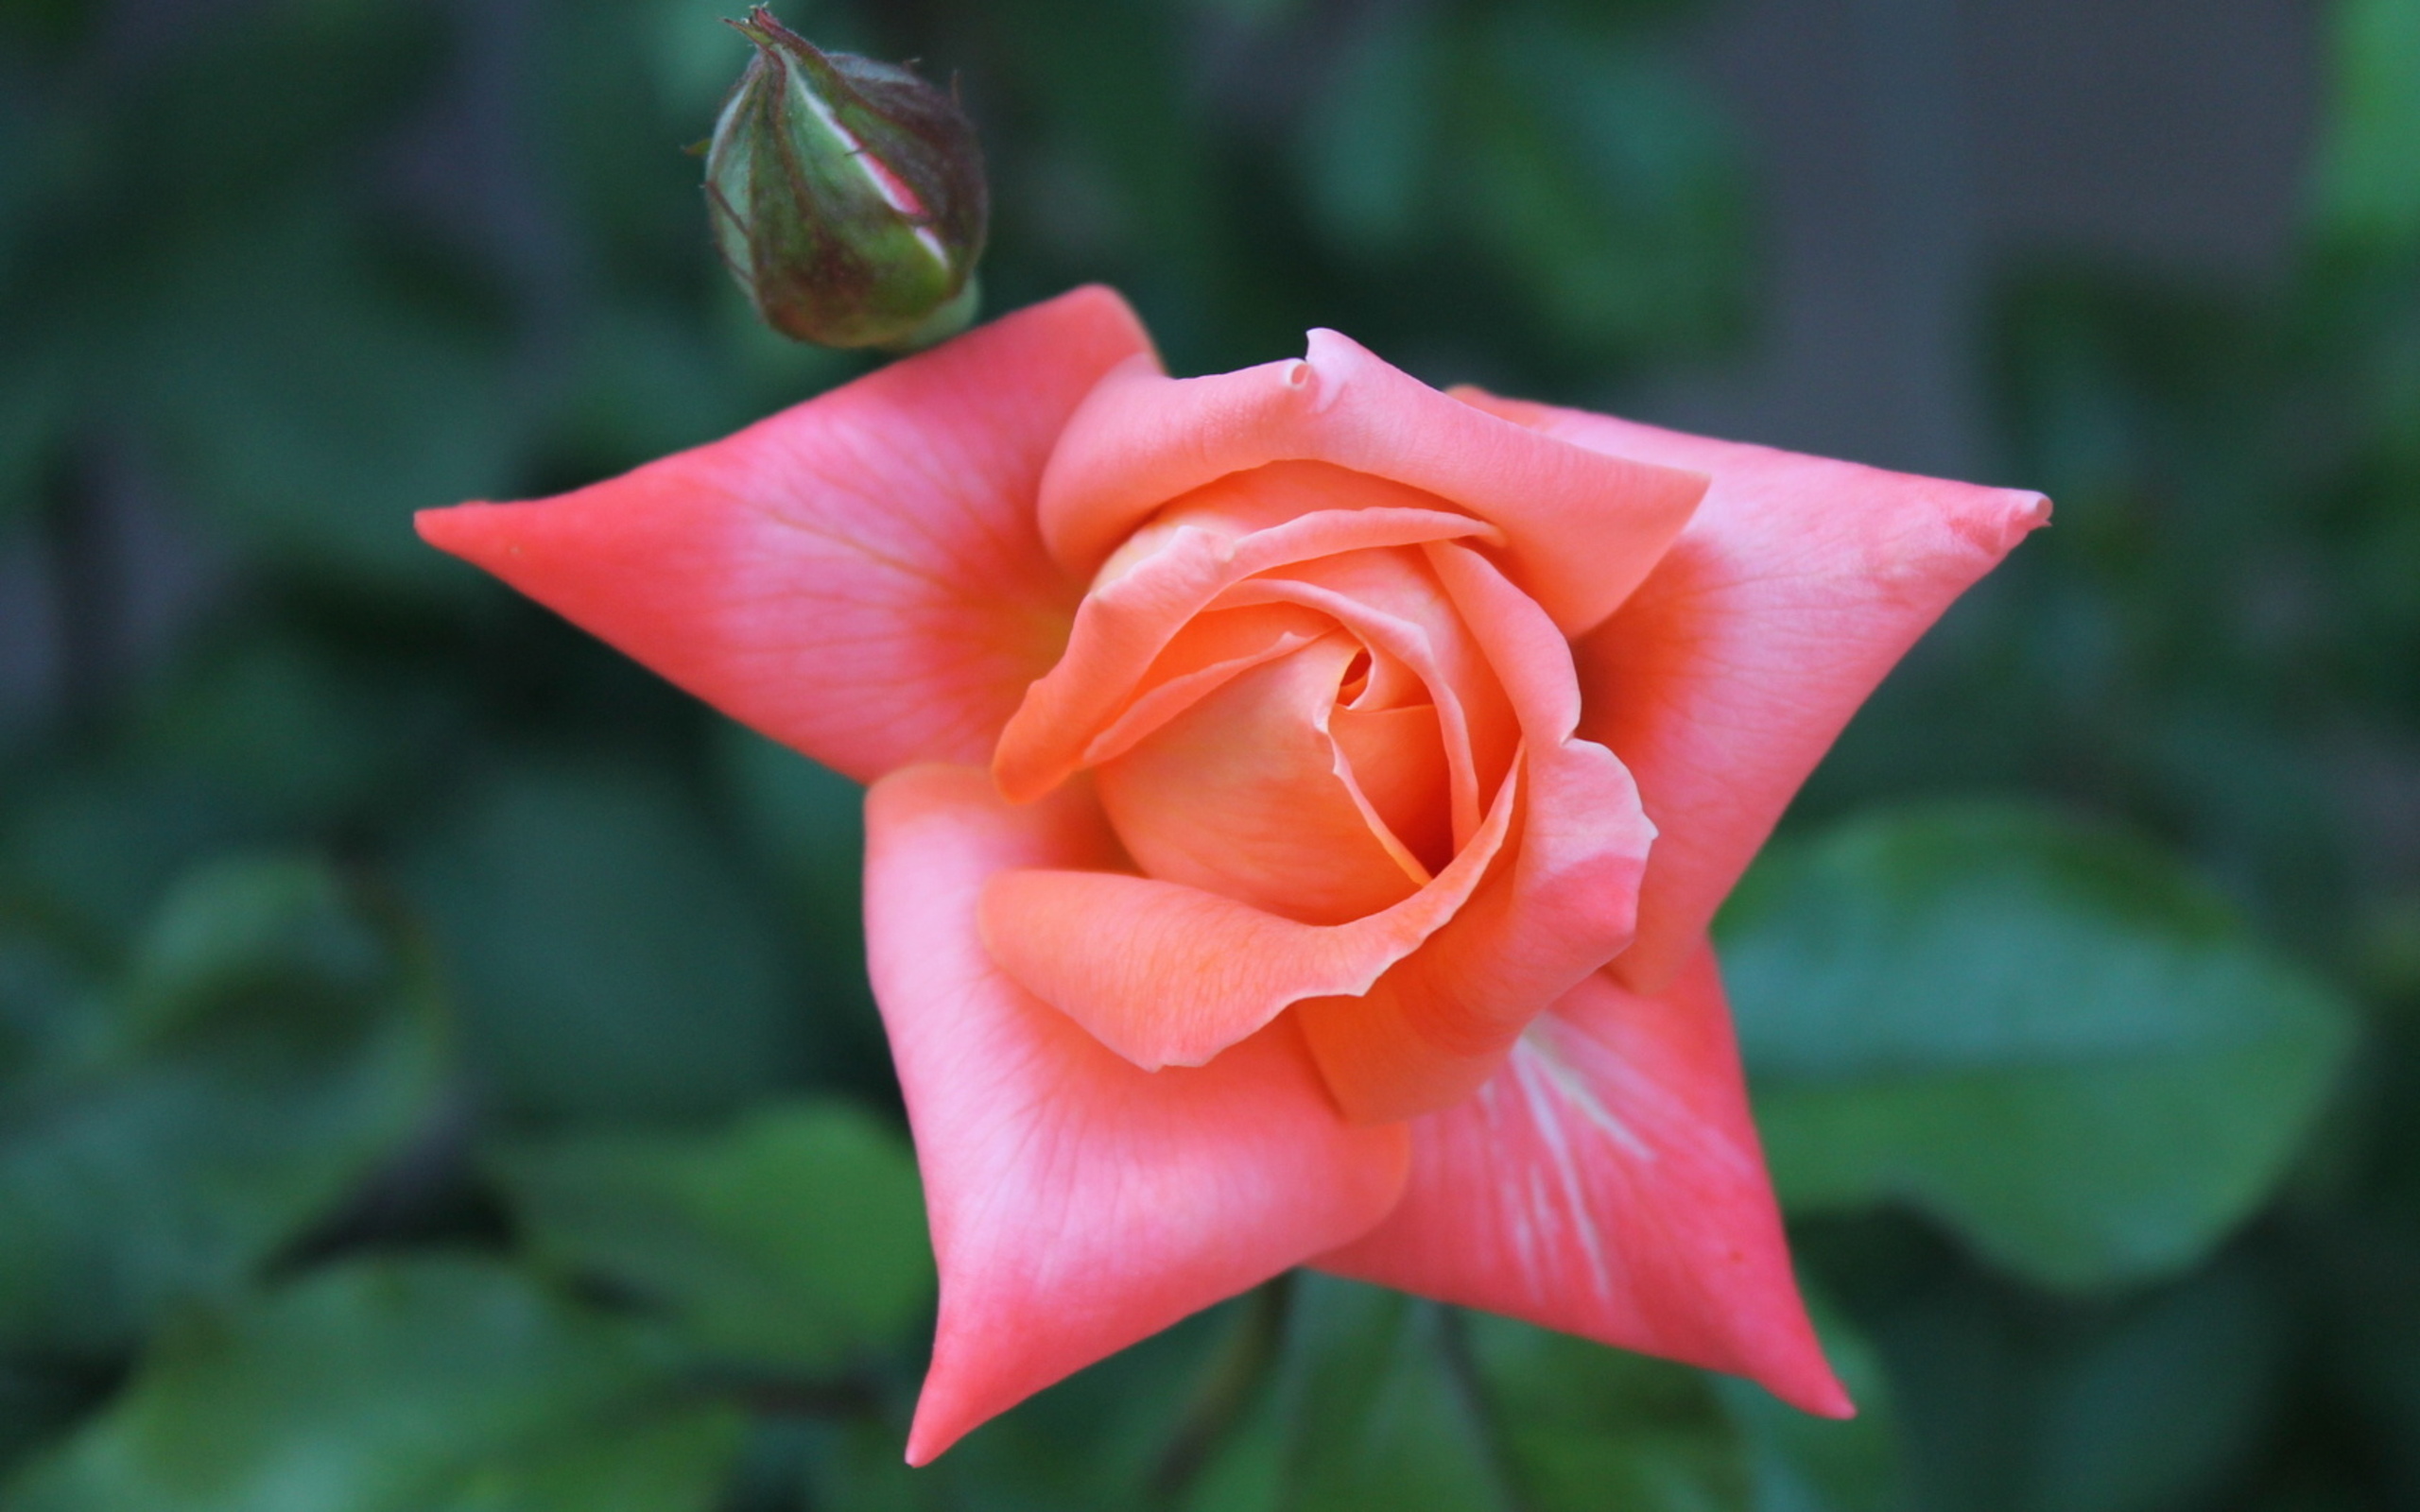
x=1395 y=761
x=1244 y=794
x=1391 y=599
x=1213 y=648
x=1170 y=975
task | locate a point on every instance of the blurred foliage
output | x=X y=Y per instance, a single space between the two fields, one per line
x=2046 y=1037
x=436 y=1064
x=439 y=1382
x=837 y=1269
x=169 y=1132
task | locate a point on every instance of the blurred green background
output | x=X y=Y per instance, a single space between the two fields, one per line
x=436 y=1071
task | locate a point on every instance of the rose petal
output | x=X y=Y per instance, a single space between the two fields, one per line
x=1241 y=796
x=1607 y=1182
x=1395 y=761
x=1263 y=498
x=1724 y=679
x=1213 y=649
x=1077 y=1204
x=1170 y=975
x=858 y=577
x=1128 y=620
x=1391 y=600
x=1581 y=528
x=1438 y=1024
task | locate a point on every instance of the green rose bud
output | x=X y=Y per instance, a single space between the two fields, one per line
x=847 y=196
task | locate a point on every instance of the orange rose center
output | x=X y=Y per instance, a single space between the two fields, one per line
x=1317 y=743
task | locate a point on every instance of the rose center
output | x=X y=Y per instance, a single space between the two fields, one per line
x=1314 y=766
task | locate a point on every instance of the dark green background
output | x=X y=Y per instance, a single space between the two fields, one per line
x=436 y=1070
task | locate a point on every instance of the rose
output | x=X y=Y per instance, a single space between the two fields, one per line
x=1372 y=759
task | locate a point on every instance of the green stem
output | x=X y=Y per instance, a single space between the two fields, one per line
x=1227 y=1387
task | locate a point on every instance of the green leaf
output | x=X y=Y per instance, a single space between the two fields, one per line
x=205 y=140
x=38 y=1405
x=1585 y=1427
x=854 y=1465
x=795 y=1240
x=808 y=820
x=1374 y=1398
x=95 y=851
x=2163 y=1410
x=1380 y=1416
x=611 y=961
x=394 y=1386
x=1382 y=1399
x=311 y=739
x=2368 y=193
x=30 y=413
x=669 y=1461
x=268 y=1049
x=2050 y=1038
x=650 y=383
x=44 y=995
x=2370 y=1319
x=2022 y=1404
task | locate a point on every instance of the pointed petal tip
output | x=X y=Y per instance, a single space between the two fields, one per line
x=926 y=1444
x=495 y=537
x=1812 y=1387
x=2028 y=512
x=459 y=529
x=956 y=1398
x=1835 y=1405
x=433 y=526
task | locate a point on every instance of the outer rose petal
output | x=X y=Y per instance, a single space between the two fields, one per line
x=1722 y=680
x=858 y=577
x=1581 y=528
x=1608 y=1183
x=1077 y=1204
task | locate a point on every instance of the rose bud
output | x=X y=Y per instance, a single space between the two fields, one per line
x=847 y=196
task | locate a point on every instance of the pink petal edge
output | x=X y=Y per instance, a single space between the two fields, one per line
x=1077 y=1204
x=859 y=576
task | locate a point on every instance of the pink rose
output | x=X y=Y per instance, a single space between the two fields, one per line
x=1299 y=800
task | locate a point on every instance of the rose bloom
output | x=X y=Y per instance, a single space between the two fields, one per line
x=1298 y=797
